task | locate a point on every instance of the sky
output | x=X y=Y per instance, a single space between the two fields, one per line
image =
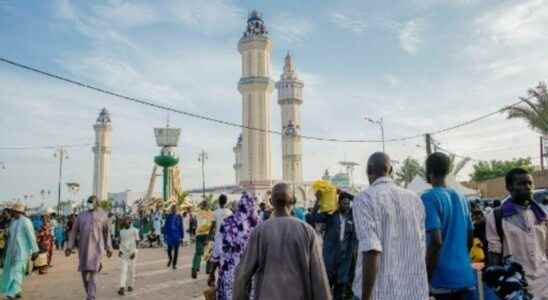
x=421 y=65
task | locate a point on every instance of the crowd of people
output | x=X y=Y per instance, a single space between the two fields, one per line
x=384 y=243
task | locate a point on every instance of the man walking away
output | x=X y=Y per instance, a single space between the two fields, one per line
x=21 y=246
x=204 y=221
x=389 y=224
x=449 y=234
x=221 y=213
x=283 y=256
x=340 y=244
x=129 y=237
x=174 y=234
x=519 y=228
x=91 y=229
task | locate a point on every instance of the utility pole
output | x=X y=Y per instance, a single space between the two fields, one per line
x=379 y=122
x=428 y=144
x=202 y=158
x=61 y=154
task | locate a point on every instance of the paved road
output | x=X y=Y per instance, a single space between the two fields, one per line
x=153 y=281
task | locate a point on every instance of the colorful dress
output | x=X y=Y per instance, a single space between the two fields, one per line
x=231 y=242
x=45 y=240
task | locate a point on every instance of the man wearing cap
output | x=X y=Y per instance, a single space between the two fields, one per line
x=21 y=246
x=92 y=230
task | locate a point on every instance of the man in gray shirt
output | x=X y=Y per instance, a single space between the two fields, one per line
x=283 y=256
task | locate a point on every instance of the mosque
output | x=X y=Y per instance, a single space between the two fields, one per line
x=253 y=150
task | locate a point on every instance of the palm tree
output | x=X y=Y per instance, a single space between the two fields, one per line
x=408 y=171
x=535 y=110
x=181 y=198
x=211 y=203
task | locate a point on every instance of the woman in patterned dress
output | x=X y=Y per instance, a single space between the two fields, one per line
x=230 y=244
x=45 y=242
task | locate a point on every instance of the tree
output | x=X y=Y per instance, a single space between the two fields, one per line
x=181 y=198
x=535 y=110
x=484 y=170
x=211 y=202
x=409 y=170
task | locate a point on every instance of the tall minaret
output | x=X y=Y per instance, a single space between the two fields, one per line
x=102 y=151
x=290 y=98
x=256 y=88
x=238 y=159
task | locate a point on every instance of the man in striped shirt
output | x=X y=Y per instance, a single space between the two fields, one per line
x=389 y=224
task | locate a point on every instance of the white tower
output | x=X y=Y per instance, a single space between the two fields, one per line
x=102 y=151
x=238 y=159
x=256 y=88
x=290 y=98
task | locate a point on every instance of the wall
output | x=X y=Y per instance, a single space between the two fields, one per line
x=496 y=188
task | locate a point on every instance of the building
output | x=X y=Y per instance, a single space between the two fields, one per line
x=102 y=151
x=256 y=88
x=123 y=201
x=290 y=98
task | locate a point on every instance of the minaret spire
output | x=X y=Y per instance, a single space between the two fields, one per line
x=290 y=99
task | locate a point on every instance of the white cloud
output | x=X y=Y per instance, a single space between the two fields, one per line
x=128 y=14
x=392 y=80
x=510 y=41
x=516 y=24
x=208 y=16
x=354 y=22
x=410 y=36
x=290 y=28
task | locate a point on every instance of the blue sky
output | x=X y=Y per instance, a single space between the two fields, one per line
x=420 y=64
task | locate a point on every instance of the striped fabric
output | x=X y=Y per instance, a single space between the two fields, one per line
x=390 y=220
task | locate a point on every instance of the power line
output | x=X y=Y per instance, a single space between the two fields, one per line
x=233 y=124
x=44 y=147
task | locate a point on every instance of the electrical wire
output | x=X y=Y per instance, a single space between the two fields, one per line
x=233 y=124
x=45 y=147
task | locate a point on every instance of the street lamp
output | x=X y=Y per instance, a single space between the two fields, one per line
x=379 y=122
x=202 y=157
x=61 y=154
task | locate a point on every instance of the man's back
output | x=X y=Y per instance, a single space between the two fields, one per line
x=284 y=255
x=448 y=211
x=390 y=220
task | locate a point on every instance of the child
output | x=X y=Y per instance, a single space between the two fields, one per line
x=129 y=237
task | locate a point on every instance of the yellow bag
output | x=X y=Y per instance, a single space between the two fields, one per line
x=41 y=260
x=328 y=199
x=477 y=254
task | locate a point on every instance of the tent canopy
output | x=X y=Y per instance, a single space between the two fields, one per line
x=419 y=185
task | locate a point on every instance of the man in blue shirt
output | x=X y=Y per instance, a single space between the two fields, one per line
x=173 y=232
x=449 y=234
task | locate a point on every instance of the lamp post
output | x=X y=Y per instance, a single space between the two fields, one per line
x=379 y=122
x=202 y=157
x=61 y=154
